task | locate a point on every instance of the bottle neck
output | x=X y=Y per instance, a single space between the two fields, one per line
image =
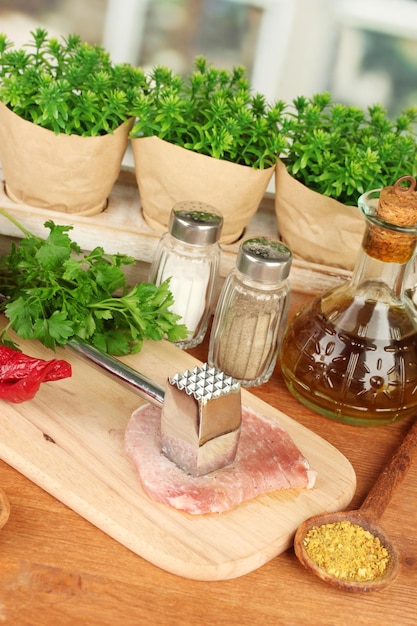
x=369 y=302
x=379 y=274
x=371 y=273
x=383 y=259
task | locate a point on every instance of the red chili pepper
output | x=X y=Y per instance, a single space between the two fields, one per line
x=21 y=375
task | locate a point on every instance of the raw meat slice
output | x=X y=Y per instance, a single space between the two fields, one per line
x=267 y=459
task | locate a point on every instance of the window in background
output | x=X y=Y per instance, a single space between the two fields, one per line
x=375 y=67
x=177 y=31
x=19 y=17
x=173 y=32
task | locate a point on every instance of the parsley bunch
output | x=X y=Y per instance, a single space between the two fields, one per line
x=342 y=151
x=213 y=112
x=67 y=86
x=54 y=293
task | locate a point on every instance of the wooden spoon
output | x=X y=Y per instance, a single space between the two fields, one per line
x=4 y=508
x=366 y=516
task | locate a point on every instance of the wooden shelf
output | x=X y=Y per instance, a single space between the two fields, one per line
x=122 y=228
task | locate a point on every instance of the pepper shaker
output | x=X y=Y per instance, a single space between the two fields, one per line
x=189 y=254
x=251 y=312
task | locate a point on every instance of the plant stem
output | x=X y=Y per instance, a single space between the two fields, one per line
x=7 y=215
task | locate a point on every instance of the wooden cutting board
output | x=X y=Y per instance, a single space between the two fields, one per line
x=69 y=441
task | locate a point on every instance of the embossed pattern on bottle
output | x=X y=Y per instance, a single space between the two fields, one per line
x=350 y=374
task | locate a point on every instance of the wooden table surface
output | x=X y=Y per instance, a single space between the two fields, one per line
x=58 y=569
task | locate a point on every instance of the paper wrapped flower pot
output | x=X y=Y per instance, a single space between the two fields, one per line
x=316 y=228
x=65 y=173
x=167 y=174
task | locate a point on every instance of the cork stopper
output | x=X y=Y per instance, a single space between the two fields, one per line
x=397 y=207
x=398 y=203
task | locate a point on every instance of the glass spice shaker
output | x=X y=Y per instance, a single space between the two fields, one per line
x=189 y=254
x=351 y=353
x=251 y=312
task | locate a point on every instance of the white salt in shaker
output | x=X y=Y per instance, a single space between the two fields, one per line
x=189 y=254
x=251 y=312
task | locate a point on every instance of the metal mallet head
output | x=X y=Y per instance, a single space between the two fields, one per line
x=201 y=411
x=201 y=420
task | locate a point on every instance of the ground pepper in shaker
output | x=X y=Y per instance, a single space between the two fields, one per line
x=189 y=255
x=251 y=312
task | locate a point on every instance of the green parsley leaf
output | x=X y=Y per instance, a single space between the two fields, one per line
x=54 y=293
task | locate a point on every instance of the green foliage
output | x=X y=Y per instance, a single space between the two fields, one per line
x=67 y=86
x=342 y=151
x=54 y=293
x=213 y=112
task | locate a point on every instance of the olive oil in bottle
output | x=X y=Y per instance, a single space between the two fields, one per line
x=351 y=354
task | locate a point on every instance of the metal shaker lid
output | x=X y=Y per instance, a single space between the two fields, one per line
x=265 y=260
x=196 y=223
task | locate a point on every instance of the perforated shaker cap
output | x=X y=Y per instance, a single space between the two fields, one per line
x=265 y=260
x=196 y=223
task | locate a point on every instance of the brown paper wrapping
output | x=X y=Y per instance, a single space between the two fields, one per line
x=167 y=174
x=316 y=228
x=64 y=173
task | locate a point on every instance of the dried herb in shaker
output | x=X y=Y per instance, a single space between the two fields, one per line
x=251 y=311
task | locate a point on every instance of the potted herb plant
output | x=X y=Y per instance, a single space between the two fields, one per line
x=206 y=137
x=336 y=153
x=64 y=121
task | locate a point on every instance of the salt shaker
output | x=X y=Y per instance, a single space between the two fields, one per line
x=189 y=254
x=251 y=312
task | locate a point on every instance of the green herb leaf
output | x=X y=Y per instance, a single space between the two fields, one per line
x=211 y=111
x=66 y=85
x=342 y=151
x=53 y=293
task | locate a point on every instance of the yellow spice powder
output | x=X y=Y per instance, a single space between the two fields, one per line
x=346 y=551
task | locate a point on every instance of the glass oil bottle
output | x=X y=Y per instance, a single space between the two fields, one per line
x=351 y=354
